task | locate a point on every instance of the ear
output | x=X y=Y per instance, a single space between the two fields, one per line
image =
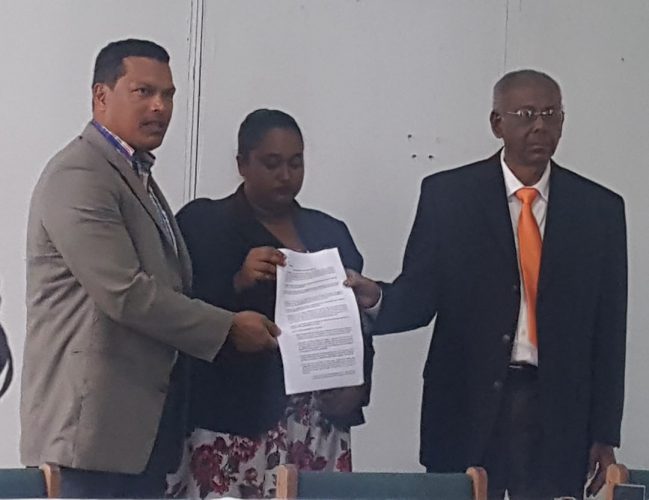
x=496 y=121
x=242 y=163
x=99 y=92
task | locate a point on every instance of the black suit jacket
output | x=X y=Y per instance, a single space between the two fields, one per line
x=460 y=266
x=243 y=393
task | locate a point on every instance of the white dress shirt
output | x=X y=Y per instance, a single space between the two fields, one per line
x=523 y=351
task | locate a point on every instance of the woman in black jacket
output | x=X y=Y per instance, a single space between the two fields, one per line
x=243 y=424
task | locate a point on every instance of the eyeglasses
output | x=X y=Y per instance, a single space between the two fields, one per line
x=528 y=116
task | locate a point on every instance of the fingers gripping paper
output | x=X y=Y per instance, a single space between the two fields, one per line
x=321 y=341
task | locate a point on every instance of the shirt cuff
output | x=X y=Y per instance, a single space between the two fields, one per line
x=373 y=311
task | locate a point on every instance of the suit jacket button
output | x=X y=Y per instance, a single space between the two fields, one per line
x=516 y=288
x=507 y=338
x=498 y=385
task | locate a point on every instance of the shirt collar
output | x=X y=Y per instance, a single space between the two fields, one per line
x=513 y=184
x=142 y=161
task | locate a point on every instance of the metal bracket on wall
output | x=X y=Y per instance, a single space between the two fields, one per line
x=193 y=98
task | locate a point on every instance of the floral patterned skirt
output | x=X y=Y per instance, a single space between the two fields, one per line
x=217 y=464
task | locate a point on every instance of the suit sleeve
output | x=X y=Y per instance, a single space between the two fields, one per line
x=352 y=259
x=215 y=261
x=610 y=335
x=88 y=230
x=410 y=301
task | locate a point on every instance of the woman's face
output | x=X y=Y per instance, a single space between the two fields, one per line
x=274 y=170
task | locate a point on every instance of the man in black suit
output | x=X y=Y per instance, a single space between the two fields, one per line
x=525 y=373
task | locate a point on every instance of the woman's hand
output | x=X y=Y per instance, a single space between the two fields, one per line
x=341 y=402
x=260 y=265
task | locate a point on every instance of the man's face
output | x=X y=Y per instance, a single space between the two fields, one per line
x=529 y=142
x=138 y=108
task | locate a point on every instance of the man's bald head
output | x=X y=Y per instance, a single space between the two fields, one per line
x=521 y=78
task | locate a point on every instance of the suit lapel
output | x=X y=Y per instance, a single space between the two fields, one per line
x=125 y=169
x=490 y=185
x=181 y=249
x=561 y=225
x=155 y=214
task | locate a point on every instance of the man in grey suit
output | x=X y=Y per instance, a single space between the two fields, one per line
x=107 y=281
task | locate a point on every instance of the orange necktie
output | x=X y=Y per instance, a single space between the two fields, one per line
x=529 y=250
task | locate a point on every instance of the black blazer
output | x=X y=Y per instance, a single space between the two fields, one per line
x=460 y=266
x=244 y=393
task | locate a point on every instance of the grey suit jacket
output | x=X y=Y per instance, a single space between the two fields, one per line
x=106 y=313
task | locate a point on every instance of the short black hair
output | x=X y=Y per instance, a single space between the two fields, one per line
x=109 y=65
x=520 y=77
x=256 y=124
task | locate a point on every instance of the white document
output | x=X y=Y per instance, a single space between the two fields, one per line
x=321 y=341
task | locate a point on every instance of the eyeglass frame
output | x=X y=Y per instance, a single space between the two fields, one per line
x=528 y=116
